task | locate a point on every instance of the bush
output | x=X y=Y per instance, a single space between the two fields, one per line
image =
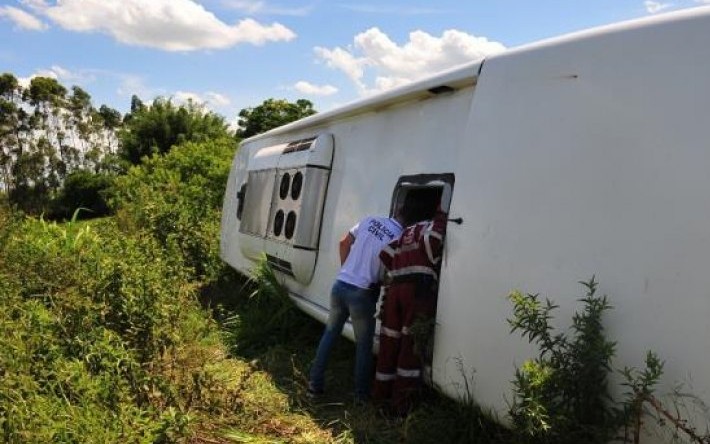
x=177 y=199
x=563 y=395
x=86 y=190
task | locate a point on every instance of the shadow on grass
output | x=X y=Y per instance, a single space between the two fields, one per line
x=284 y=348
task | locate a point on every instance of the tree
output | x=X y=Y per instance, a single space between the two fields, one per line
x=110 y=123
x=270 y=114
x=46 y=133
x=9 y=138
x=148 y=130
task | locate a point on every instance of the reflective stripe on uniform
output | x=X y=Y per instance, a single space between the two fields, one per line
x=385 y=376
x=414 y=269
x=390 y=332
x=435 y=235
x=408 y=247
x=388 y=250
x=408 y=373
x=405 y=331
x=427 y=247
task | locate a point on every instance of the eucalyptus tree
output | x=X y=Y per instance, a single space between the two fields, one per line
x=9 y=136
x=46 y=133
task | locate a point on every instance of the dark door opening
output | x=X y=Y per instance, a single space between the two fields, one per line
x=427 y=192
x=426 y=189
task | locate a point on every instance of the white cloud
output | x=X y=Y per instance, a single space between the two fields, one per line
x=315 y=90
x=171 y=25
x=653 y=7
x=341 y=59
x=706 y=2
x=56 y=72
x=131 y=84
x=22 y=19
x=386 y=64
x=217 y=99
x=187 y=96
x=209 y=99
x=255 y=7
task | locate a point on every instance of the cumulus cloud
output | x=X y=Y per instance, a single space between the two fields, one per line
x=375 y=63
x=653 y=7
x=315 y=90
x=171 y=25
x=22 y=19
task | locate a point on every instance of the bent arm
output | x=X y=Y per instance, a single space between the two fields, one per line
x=345 y=243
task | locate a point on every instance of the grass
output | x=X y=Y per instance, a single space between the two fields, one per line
x=285 y=353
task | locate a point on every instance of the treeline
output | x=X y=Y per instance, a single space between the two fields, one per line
x=59 y=152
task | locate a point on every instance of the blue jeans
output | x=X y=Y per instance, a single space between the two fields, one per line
x=358 y=303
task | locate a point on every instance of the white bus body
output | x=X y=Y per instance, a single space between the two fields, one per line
x=580 y=155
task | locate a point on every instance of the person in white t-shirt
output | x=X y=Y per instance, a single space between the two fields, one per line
x=354 y=294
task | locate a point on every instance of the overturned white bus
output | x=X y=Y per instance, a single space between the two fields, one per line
x=579 y=155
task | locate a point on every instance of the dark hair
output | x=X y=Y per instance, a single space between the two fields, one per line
x=419 y=205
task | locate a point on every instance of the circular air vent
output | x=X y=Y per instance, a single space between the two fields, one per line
x=283 y=187
x=290 y=224
x=278 y=223
x=296 y=185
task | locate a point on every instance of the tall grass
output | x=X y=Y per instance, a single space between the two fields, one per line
x=266 y=317
x=104 y=338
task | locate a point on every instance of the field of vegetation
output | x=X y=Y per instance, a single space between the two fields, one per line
x=129 y=328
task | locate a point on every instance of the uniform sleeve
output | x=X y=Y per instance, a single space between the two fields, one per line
x=387 y=254
x=354 y=230
x=434 y=237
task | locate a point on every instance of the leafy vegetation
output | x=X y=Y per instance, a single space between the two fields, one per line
x=270 y=114
x=86 y=190
x=155 y=129
x=177 y=199
x=563 y=395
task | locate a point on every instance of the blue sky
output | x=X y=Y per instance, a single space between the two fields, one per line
x=232 y=54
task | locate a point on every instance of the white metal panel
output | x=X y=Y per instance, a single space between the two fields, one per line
x=586 y=157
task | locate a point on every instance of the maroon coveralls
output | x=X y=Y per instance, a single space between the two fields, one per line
x=412 y=263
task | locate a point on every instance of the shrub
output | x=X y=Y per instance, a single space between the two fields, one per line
x=177 y=199
x=86 y=312
x=563 y=395
x=86 y=190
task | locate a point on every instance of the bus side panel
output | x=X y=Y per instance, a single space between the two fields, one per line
x=586 y=157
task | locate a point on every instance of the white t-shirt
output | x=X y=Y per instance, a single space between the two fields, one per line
x=371 y=234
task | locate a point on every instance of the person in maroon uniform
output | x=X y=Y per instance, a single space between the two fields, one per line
x=412 y=263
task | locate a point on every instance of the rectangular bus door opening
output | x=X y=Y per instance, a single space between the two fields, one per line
x=427 y=192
